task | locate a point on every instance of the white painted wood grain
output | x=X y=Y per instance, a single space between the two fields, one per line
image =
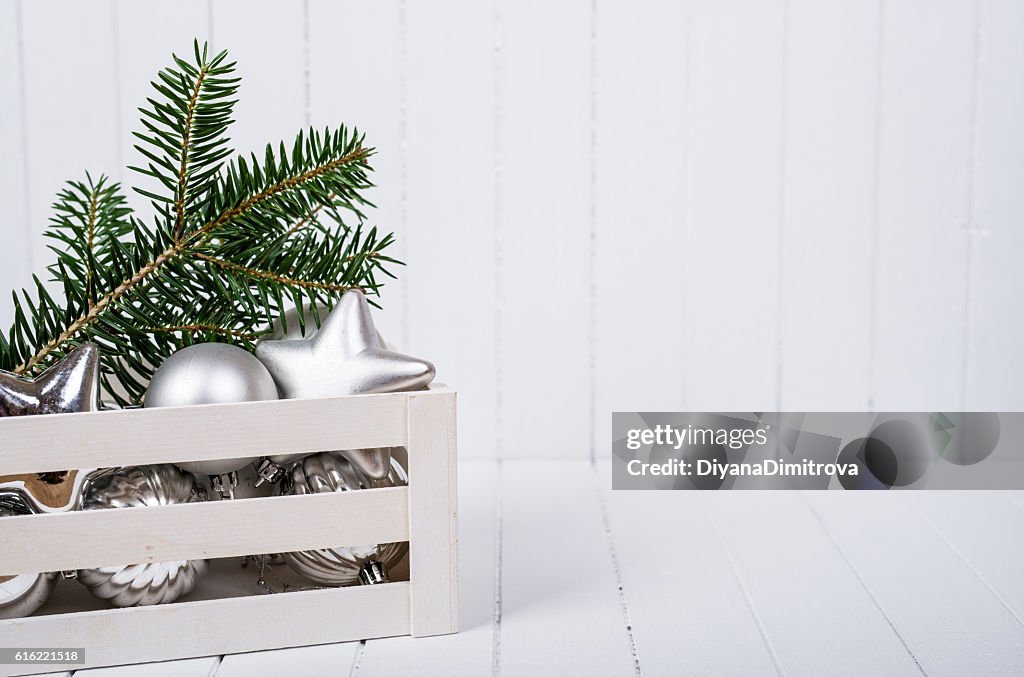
x=141 y=55
x=266 y=38
x=995 y=368
x=831 y=85
x=734 y=208
x=192 y=667
x=71 y=105
x=923 y=183
x=432 y=513
x=327 y=660
x=640 y=196
x=449 y=233
x=816 y=614
x=203 y=432
x=948 y=617
x=544 y=227
x=687 y=609
x=356 y=68
x=560 y=611
x=469 y=651
x=190 y=629
x=980 y=527
x=15 y=225
x=206 y=530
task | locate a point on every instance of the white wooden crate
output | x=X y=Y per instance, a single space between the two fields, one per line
x=423 y=513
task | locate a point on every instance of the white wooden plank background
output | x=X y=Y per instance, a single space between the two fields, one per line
x=948 y=616
x=71 y=122
x=140 y=55
x=829 y=162
x=326 y=660
x=355 y=76
x=816 y=614
x=15 y=220
x=556 y=574
x=994 y=326
x=450 y=206
x=980 y=529
x=796 y=204
x=641 y=152
x=734 y=211
x=544 y=225
x=267 y=40
x=924 y=166
x=701 y=622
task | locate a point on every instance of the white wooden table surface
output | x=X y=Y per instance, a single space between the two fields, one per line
x=562 y=576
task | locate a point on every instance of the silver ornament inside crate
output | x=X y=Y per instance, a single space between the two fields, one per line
x=22 y=595
x=345 y=357
x=330 y=472
x=69 y=386
x=155 y=582
x=211 y=373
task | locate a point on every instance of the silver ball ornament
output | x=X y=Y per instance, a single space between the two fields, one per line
x=210 y=373
x=330 y=472
x=155 y=582
x=22 y=595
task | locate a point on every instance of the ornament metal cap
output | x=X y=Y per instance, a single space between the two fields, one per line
x=268 y=471
x=373 y=573
x=224 y=484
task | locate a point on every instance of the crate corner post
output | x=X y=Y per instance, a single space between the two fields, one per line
x=433 y=507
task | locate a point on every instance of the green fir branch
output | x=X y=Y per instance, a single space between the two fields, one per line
x=233 y=243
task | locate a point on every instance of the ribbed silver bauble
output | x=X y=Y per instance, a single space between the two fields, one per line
x=22 y=595
x=143 y=584
x=329 y=472
x=210 y=373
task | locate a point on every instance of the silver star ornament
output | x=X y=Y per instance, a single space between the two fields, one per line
x=347 y=356
x=70 y=385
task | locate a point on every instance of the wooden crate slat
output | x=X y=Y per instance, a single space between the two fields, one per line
x=202 y=530
x=33 y=444
x=214 y=627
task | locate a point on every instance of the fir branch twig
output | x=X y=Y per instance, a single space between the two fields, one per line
x=281 y=279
